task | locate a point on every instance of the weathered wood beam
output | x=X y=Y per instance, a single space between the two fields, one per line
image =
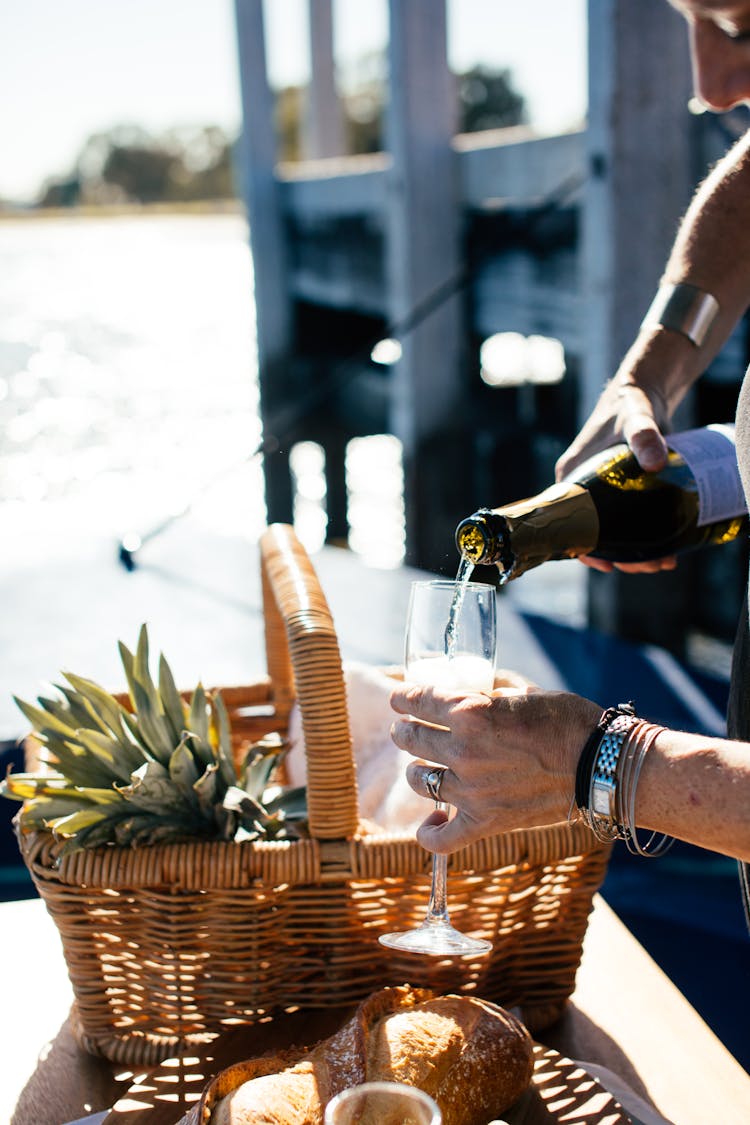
x=423 y=254
x=273 y=299
x=639 y=161
x=323 y=133
x=638 y=156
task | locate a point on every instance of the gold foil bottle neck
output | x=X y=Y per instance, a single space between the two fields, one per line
x=472 y=542
x=559 y=523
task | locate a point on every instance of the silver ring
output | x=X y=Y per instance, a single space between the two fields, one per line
x=433 y=780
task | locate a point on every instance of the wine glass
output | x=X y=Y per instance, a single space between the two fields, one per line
x=451 y=637
x=382 y=1103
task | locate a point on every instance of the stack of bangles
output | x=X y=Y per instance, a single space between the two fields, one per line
x=607 y=779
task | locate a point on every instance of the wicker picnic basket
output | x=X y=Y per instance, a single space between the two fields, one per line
x=170 y=944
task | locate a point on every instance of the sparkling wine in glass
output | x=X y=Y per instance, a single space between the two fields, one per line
x=451 y=637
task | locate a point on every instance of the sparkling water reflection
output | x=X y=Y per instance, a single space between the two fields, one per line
x=127 y=368
x=128 y=381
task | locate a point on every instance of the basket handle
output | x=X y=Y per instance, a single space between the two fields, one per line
x=303 y=656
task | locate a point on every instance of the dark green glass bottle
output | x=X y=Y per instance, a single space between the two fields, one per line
x=612 y=509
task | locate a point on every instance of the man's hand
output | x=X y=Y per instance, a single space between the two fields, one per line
x=626 y=413
x=634 y=414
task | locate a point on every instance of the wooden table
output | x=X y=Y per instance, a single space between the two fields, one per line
x=625 y=1015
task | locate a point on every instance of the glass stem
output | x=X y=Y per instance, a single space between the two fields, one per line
x=437 y=909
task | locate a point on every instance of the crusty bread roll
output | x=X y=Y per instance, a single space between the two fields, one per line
x=474 y=1058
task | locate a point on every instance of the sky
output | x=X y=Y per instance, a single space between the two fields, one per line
x=70 y=68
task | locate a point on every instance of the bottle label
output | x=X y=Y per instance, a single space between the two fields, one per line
x=711 y=456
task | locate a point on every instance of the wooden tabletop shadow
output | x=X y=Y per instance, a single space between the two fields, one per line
x=161 y=1095
x=575 y=1035
x=68 y=1083
x=563 y=1092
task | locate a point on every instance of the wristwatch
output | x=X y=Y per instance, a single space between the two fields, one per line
x=603 y=792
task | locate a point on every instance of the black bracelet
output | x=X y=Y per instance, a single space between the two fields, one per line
x=588 y=754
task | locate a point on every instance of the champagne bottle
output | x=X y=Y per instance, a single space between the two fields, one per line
x=611 y=508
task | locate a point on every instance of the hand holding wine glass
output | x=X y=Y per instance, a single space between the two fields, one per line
x=451 y=638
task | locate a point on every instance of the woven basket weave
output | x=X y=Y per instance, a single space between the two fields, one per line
x=170 y=944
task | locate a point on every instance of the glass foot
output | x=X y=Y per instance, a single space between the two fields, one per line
x=438 y=939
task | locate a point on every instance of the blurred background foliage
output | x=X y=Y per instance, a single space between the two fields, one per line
x=127 y=164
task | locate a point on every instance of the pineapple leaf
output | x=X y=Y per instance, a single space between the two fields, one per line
x=220 y=721
x=128 y=663
x=102 y=707
x=69 y=709
x=158 y=834
x=72 y=823
x=237 y=800
x=226 y=823
x=152 y=726
x=92 y=837
x=131 y=722
x=201 y=750
x=24 y=786
x=125 y=830
x=292 y=802
x=142 y=676
x=150 y=829
x=163 y=772
x=42 y=720
x=28 y=786
x=184 y=772
x=141 y=659
x=80 y=766
x=198 y=718
x=209 y=790
x=107 y=751
x=41 y=811
x=174 y=709
x=260 y=761
x=151 y=789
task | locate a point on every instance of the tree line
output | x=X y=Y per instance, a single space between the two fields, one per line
x=127 y=164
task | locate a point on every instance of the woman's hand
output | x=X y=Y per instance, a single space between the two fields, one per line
x=510 y=757
x=509 y=682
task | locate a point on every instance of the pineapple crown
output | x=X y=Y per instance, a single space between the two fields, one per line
x=159 y=773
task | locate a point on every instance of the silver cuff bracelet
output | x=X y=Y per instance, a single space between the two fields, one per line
x=683 y=308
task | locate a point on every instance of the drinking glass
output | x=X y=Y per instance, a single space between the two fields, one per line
x=451 y=637
x=382 y=1103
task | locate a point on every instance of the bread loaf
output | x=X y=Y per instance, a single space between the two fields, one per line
x=474 y=1058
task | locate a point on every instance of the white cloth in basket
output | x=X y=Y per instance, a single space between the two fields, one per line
x=384 y=796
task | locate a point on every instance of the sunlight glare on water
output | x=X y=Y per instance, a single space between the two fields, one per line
x=128 y=356
x=128 y=383
x=375 y=485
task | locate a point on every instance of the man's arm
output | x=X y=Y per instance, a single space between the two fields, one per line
x=712 y=252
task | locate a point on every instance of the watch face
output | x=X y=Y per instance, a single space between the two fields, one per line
x=602 y=798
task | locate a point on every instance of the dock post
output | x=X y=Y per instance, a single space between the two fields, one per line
x=422 y=225
x=323 y=134
x=273 y=301
x=638 y=185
